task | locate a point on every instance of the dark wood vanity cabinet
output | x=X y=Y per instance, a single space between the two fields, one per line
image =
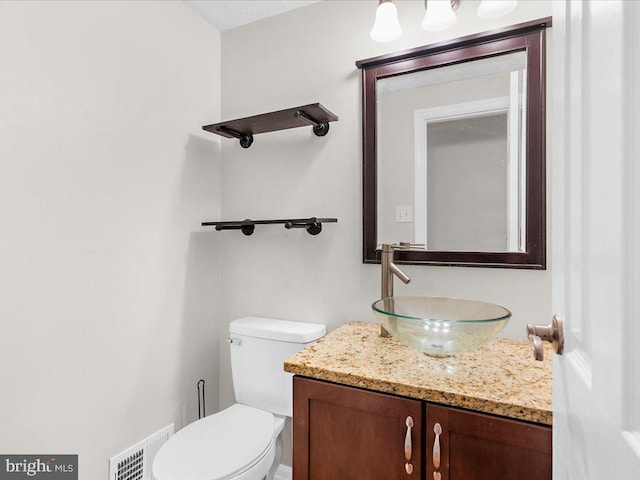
x=347 y=433
x=475 y=446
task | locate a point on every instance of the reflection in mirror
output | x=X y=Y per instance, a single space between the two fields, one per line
x=450 y=162
x=454 y=150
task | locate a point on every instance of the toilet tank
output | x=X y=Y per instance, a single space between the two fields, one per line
x=259 y=347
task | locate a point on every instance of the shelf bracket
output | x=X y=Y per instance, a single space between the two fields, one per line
x=320 y=129
x=245 y=140
x=313 y=227
x=247 y=227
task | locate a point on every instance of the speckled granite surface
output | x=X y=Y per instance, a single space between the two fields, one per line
x=501 y=377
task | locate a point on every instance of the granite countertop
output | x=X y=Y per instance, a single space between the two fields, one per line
x=500 y=378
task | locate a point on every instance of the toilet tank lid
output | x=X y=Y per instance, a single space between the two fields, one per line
x=282 y=330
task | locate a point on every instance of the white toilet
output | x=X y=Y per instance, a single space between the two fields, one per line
x=243 y=441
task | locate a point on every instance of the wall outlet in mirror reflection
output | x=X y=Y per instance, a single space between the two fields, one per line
x=404 y=214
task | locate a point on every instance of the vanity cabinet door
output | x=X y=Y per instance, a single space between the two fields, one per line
x=475 y=446
x=345 y=433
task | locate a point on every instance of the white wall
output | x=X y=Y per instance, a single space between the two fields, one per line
x=306 y=56
x=109 y=287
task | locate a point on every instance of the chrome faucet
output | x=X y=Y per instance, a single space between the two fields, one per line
x=389 y=269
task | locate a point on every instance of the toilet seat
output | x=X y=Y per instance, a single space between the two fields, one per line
x=222 y=446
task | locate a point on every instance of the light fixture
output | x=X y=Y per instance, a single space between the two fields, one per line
x=386 y=28
x=439 y=15
x=495 y=8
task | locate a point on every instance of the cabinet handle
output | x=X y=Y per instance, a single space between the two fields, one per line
x=407 y=439
x=437 y=429
x=407 y=446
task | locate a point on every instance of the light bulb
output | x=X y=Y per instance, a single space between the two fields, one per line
x=386 y=28
x=439 y=15
x=495 y=8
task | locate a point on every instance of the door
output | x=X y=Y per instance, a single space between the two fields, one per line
x=596 y=239
x=345 y=433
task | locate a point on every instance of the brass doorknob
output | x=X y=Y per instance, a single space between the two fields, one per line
x=552 y=333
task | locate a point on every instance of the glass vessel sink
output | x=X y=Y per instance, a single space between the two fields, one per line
x=441 y=326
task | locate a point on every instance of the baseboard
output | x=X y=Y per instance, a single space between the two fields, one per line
x=283 y=472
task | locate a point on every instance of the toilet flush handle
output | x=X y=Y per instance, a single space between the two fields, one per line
x=234 y=341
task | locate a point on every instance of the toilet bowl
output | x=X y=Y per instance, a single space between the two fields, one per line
x=237 y=443
x=243 y=442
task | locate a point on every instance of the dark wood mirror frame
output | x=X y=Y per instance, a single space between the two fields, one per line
x=528 y=37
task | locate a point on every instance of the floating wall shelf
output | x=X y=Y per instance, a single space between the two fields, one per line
x=245 y=128
x=313 y=224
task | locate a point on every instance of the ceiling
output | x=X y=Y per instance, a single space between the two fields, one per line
x=228 y=14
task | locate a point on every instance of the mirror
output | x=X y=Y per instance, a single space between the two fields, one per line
x=449 y=147
x=454 y=150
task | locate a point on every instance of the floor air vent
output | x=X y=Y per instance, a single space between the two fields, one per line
x=135 y=462
x=132 y=467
